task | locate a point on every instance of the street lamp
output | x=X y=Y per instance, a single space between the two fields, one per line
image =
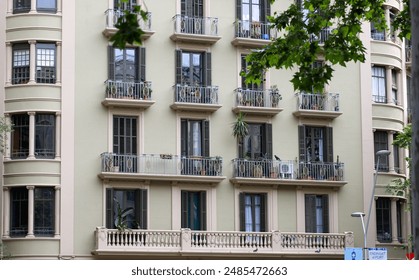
x=379 y=154
x=361 y=215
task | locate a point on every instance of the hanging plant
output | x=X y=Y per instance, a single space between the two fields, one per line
x=240 y=127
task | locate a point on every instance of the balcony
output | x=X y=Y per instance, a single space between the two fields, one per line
x=163 y=167
x=253 y=34
x=312 y=105
x=128 y=94
x=203 y=30
x=257 y=102
x=186 y=242
x=112 y=17
x=196 y=98
x=287 y=172
x=321 y=37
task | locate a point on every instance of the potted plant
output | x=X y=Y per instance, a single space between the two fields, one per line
x=275 y=96
x=240 y=127
x=121 y=216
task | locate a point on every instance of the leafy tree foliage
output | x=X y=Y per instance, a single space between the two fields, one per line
x=297 y=46
x=129 y=31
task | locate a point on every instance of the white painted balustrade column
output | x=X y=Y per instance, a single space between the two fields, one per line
x=31 y=135
x=6 y=213
x=185 y=239
x=33 y=6
x=31 y=198
x=32 y=61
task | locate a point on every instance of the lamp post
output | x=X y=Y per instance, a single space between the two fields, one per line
x=379 y=154
x=361 y=216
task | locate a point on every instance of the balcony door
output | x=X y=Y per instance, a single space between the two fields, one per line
x=193 y=208
x=120 y=5
x=252 y=212
x=317 y=213
x=125 y=143
x=192 y=8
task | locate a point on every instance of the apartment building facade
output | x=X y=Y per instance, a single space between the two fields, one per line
x=130 y=153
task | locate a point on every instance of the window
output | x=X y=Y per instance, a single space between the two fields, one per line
x=396 y=156
x=193 y=68
x=46 y=6
x=44 y=136
x=253 y=10
x=20 y=70
x=317 y=213
x=194 y=210
x=376 y=34
x=125 y=143
x=127 y=65
x=383 y=210
x=381 y=143
x=132 y=203
x=21 y=6
x=316 y=144
x=252 y=212
x=43 y=211
x=192 y=8
x=18 y=212
x=194 y=137
x=258 y=143
x=20 y=136
x=379 y=92
x=394 y=86
x=244 y=66
x=45 y=63
x=119 y=5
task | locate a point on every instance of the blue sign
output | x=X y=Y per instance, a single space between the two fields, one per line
x=353 y=254
x=377 y=254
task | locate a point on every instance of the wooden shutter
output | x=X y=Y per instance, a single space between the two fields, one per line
x=178 y=77
x=207 y=69
x=325 y=207
x=265 y=10
x=184 y=209
x=141 y=58
x=329 y=144
x=239 y=9
x=111 y=63
x=301 y=142
x=263 y=212
x=109 y=209
x=310 y=212
x=205 y=138
x=184 y=137
x=267 y=147
x=242 y=212
x=143 y=208
x=203 y=209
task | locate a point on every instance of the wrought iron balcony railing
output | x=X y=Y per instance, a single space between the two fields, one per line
x=288 y=169
x=254 y=30
x=321 y=37
x=165 y=164
x=195 y=25
x=112 y=17
x=318 y=102
x=196 y=94
x=257 y=98
x=128 y=90
x=220 y=242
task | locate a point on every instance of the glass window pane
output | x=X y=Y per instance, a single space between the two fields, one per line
x=44 y=212
x=18 y=212
x=46 y=5
x=44 y=136
x=20 y=136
